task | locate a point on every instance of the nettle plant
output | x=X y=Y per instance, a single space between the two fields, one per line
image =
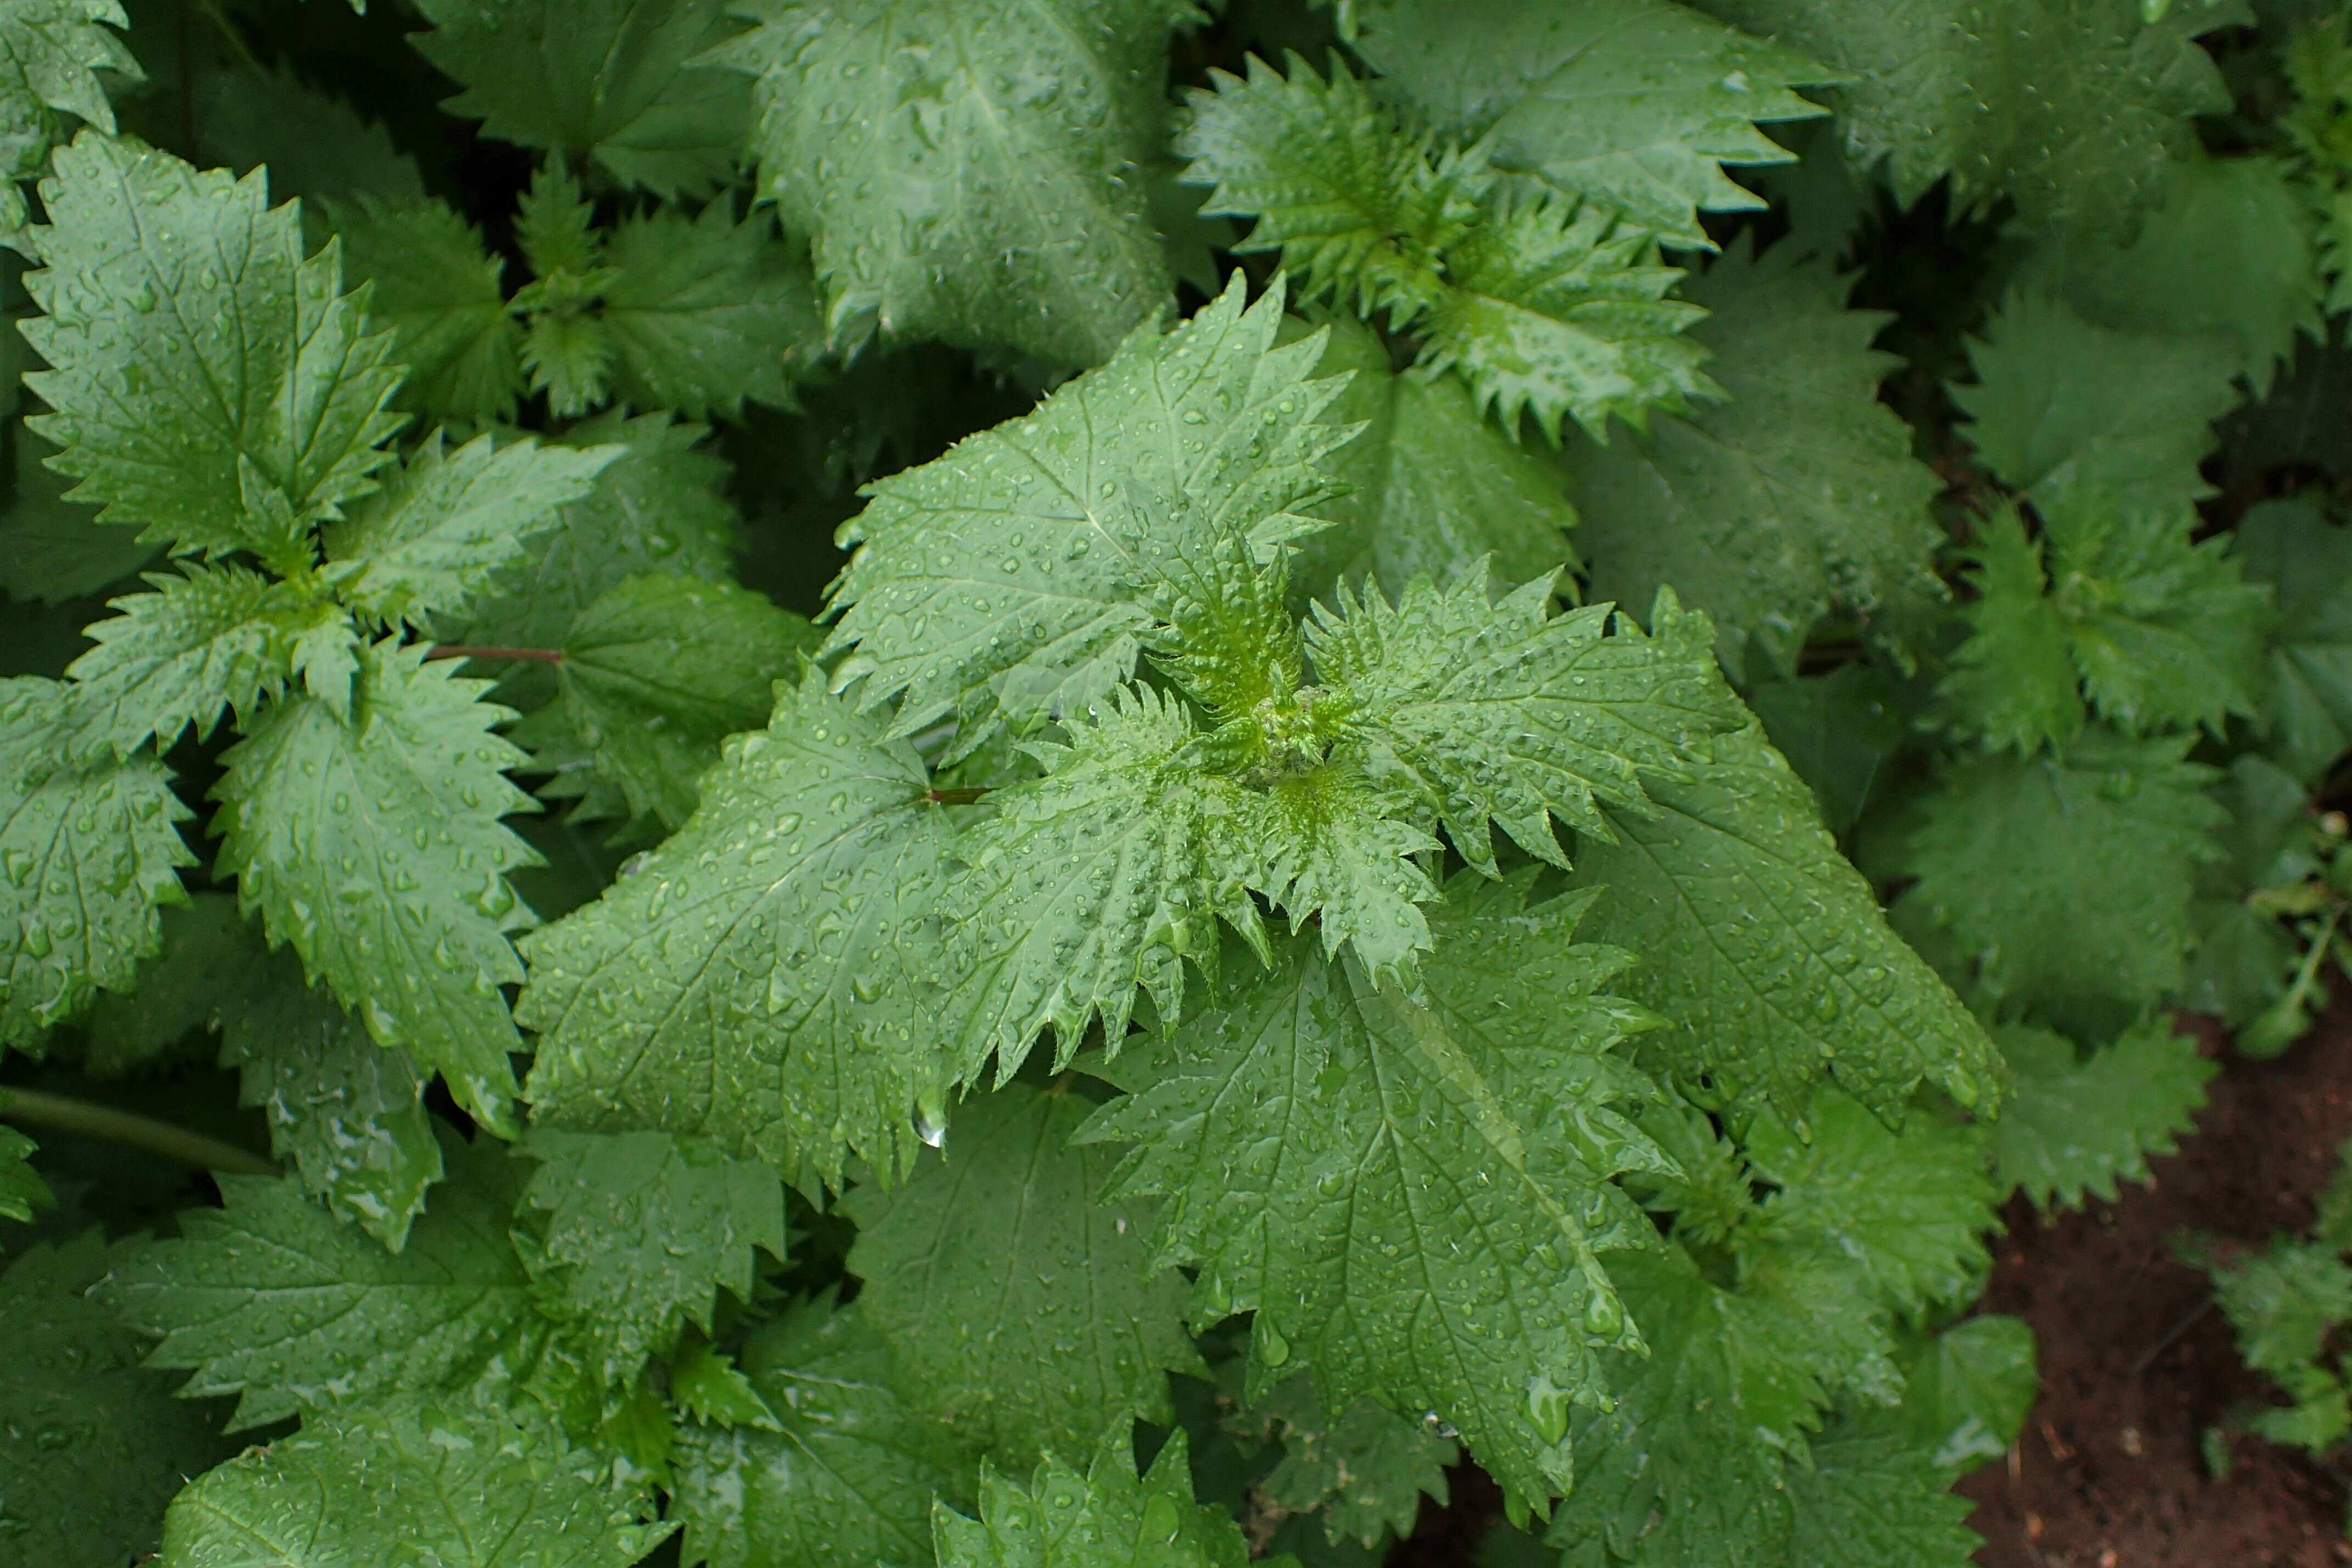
x=1227 y=970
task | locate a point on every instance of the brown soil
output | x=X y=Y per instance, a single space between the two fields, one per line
x=2134 y=1370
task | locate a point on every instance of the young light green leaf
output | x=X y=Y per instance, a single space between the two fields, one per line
x=88 y=856
x=2080 y=1123
x=92 y=1445
x=967 y=205
x=437 y=535
x=2059 y=404
x=1499 y=710
x=1970 y=1388
x=848 y=1472
x=1760 y=1008
x=348 y=1113
x=2064 y=881
x=661 y=669
x=468 y=1490
x=1006 y=580
x=2284 y=1303
x=1871 y=1497
x=628 y=85
x=274 y=1300
x=1634 y=105
x=1430 y=485
x=2013 y=681
x=629 y=1234
x=2093 y=100
x=2307 y=563
x=965 y=1269
x=704 y=314
x=373 y=844
x=1559 y=311
x=1105 y=1518
x=263 y=389
x=1797 y=494
x=1340 y=1161
x=206 y=640
x=695 y=996
x=438 y=289
x=660 y=506
x=1360 y=209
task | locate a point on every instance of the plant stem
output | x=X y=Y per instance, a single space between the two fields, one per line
x=461 y=650
x=82 y=1119
x=956 y=796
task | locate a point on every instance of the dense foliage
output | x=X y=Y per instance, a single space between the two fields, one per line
x=1519 y=699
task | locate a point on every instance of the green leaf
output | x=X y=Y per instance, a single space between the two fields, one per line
x=707 y=1385
x=2284 y=1302
x=2307 y=562
x=1870 y=1496
x=2164 y=633
x=1635 y=105
x=92 y=1445
x=88 y=856
x=209 y=956
x=21 y=1188
x=51 y=52
x=373 y=845
x=2064 y=881
x=50 y=549
x=1907 y=1210
x=2080 y=1123
x=2013 y=679
x=1430 y=484
x=1559 y=311
x=969 y=204
x=1118 y=866
x=434 y=540
x=707 y=313
x=847 y=1473
x=207 y=640
x=2062 y=404
x=659 y=505
x=1970 y=1389
x=317 y=146
x=1763 y=1005
x=439 y=290
x=628 y=1233
x=348 y=1113
x=2226 y=249
x=1365 y=1473
x=469 y=1490
x=1798 y=494
x=2073 y=108
x=1840 y=731
x=1107 y=1517
x=273 y=1298
x=694 y=997
x=625 y=84
x=661 y=669
x=1361 y=210
x=1352 y=1165
x=968 y=1270
x=1498 y=711
x=262 y=386
x=1006 y=579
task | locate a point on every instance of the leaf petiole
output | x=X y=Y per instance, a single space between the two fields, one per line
x=82 y=1119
